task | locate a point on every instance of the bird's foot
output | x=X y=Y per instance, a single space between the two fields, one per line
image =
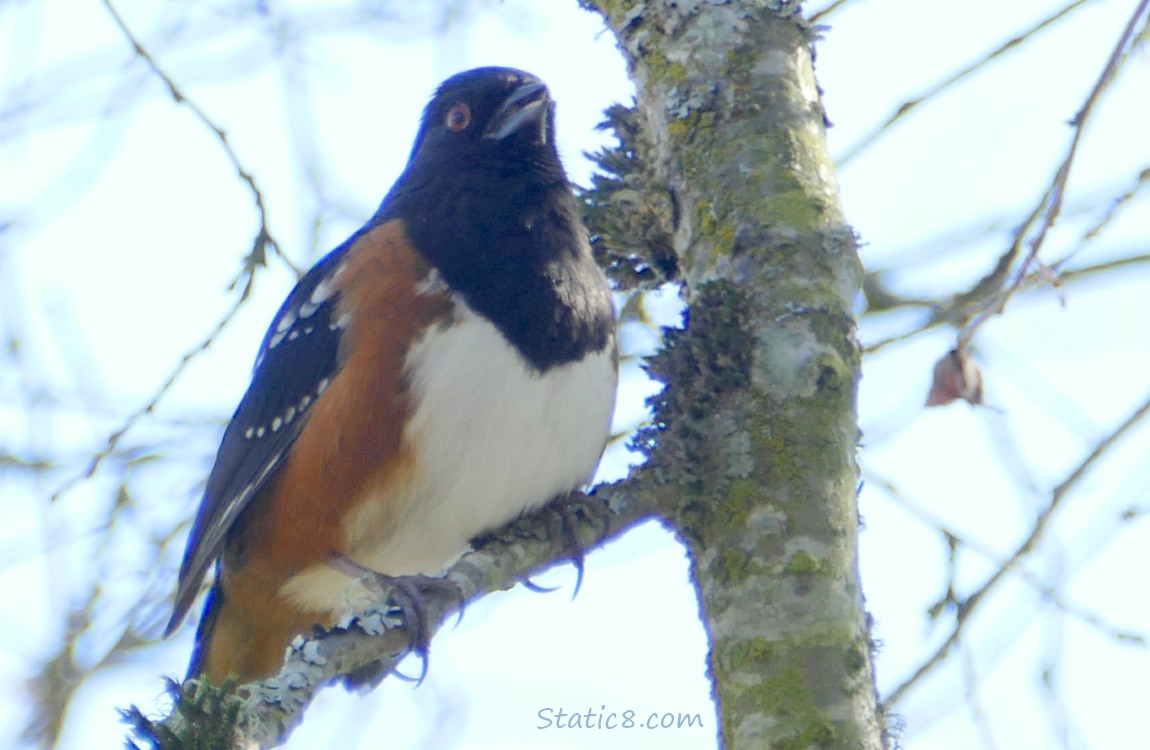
x=408 y=594
x=564 y=515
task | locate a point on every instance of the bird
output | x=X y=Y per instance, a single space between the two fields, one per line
x=448 y=368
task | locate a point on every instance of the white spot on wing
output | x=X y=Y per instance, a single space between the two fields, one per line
x=340 y=323
x=249 y=432
x=277 y=423
x=286 y=321
x=307 y=310
x=323 y=384
x=322 y=291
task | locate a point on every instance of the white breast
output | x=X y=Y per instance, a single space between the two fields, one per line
x=494 y=439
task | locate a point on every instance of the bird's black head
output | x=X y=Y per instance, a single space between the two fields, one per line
x=495 y=117
x=485 y=153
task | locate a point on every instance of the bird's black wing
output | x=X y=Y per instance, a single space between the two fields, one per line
x=298 y=358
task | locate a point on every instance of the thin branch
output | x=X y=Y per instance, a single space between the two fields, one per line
x=1086 y=272
x=1050 y=206
x=968 y=237
x=256 y=257
x=944 y=314
x=113 y=440
x=1058 y=711
x=1118 y=203
x=974 y=701
x=930 y=324
x=1048 y=592
x=824 y=12
x=264 y=236
x=1057 y=497
x=911 y=104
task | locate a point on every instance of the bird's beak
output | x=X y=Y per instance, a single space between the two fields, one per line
x=525 y=110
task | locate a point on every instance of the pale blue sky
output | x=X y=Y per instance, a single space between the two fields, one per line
x=131 y=256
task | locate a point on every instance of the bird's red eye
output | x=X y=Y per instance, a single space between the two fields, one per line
x=458 y=117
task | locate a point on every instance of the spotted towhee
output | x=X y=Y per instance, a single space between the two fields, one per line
x=447 y=368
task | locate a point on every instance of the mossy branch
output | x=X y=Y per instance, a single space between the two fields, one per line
x=263 y=714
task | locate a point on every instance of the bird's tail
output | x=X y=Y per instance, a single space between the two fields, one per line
x=212 y=607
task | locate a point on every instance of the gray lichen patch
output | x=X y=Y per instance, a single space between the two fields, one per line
x=791 y=361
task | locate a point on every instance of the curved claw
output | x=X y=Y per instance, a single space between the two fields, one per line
x=532 y=586
x=570 y=523
x=578 y=563
x=567 y=510
x=408 y=596
x=407 y=678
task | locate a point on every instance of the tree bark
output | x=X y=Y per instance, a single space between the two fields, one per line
x=756 y=433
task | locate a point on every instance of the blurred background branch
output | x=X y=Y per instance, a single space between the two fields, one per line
x=950 y=120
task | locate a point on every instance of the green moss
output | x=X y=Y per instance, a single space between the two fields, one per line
x=776 y=442
x=741 y=496
x=705 y=219
x=204 y=717
x=792 y=208
x=709 y=359
x=857 y=657
x=753 y=655
x=716 y=229
x=730 y=512
x=685 y=128
x=734 y=565
x=656 y=63
x=803 y=563
x=740 y=64
x=784 y=696
x=725 y=239
x=815 y=734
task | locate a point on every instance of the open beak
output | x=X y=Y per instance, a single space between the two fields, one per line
x=526 y=110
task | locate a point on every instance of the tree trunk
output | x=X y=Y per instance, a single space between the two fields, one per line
x=756 y=433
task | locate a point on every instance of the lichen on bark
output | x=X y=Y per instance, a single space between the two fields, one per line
x=754 y=438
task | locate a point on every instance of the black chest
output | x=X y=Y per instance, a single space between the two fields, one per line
x=520 y=257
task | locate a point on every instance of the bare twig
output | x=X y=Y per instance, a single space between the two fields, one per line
x=822 y=13
x=256 y=257
x=1118 y=203
x=1046 y=213
x=1057 y=498
x=1048 y=592
x=1085 y=272
x=943 y=314
x=113 y=441
x=264 y=236
x=911 y=104
x=974 y=702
